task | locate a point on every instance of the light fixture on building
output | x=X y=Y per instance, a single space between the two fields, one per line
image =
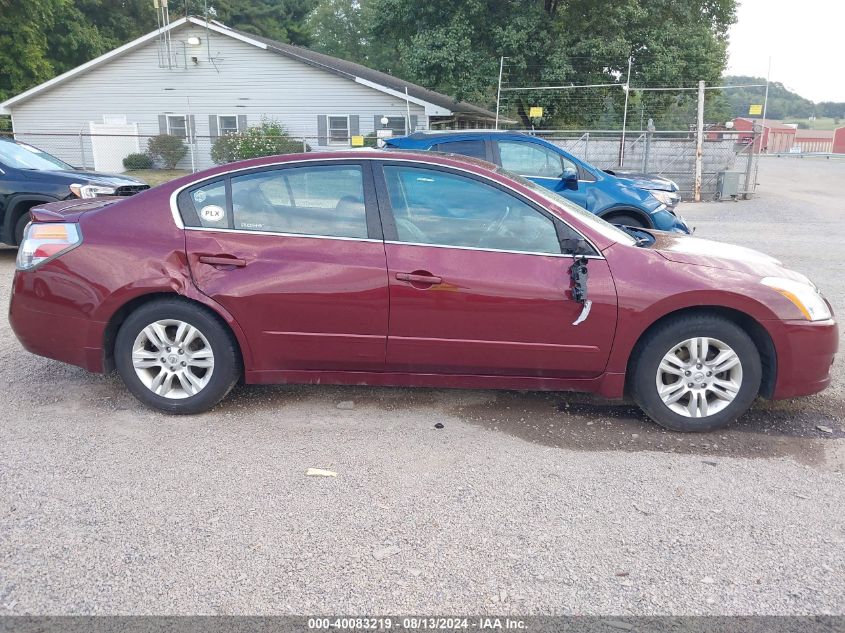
x=384 y=120
x=194 y=41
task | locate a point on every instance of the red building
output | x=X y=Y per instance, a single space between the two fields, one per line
x=839 y=141
x=776 y=136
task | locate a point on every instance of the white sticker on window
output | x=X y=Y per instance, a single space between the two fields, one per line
x=199 y=196
x=212 y=213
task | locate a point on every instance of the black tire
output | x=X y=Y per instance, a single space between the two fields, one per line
x=627 y=220
x=227 y=364
x=658 y=342
x=20 y=225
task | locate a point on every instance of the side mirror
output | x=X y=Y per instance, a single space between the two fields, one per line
x=569 y=178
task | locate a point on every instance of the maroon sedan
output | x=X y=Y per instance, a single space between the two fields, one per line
x=394 y=268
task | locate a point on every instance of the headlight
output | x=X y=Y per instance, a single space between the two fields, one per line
x=805 y=296
x=91 y=191
x=666 y=197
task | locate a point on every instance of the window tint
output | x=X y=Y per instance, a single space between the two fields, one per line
x=528 y=159
x=320 y=200
x=465 y=148
x=210 y=204
x=435 y=207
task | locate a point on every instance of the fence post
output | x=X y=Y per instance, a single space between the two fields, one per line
x=82 y=150
x=699 y=143
x=648 y=134
x=586 y=147
x=627 y=89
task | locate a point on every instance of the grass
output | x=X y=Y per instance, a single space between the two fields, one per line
x=821 y=123
x=155 y=177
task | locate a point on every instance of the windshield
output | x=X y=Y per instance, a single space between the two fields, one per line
x=594 y=222
x=23 y=156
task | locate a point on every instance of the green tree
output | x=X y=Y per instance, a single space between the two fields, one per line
x=23 y=44
x=455 y=48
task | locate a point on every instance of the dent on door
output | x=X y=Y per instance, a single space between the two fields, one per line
x=305 y=303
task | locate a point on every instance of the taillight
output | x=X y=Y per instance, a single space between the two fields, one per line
x=43 y=242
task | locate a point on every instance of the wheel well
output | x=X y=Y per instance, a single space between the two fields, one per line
x=15 y=212
x=758 y=334
x=117 y=319
x=612 y=213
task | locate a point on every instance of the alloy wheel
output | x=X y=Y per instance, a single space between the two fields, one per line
x=173 y=359
x=699 y=377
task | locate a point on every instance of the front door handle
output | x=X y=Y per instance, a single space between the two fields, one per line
x=416 y=278
x=225 y=260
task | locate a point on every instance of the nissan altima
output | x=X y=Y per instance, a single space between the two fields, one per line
x=409 y=269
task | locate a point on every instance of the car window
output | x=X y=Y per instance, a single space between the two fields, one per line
x=209 y=201
x=319 y=200
x=436 y=207
x=23 y=156
x=475 y=149
x=530 y=159
x=593 y=221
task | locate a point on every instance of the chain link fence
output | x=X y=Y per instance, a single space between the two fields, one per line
x=670 y=154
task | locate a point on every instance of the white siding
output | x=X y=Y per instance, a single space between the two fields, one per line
x=242 y=80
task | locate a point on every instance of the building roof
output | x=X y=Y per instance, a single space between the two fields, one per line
x=825 y=135
x=435 y=103
x=366 y=76
x=769 y=123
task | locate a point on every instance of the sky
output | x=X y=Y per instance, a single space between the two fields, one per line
x=806 y=41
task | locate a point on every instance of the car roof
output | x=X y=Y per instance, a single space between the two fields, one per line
x=434 y=134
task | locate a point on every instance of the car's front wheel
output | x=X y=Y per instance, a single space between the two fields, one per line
x=177 y=357
x=696 y=373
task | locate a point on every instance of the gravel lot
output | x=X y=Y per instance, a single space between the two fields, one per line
x=523 y=503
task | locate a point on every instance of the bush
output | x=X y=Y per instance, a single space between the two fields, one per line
x=167 y=150
x=138 y=161
x=266 y=139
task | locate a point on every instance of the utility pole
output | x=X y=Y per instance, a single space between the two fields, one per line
x=699 y=143
x=625 y=115
x=499 y=91
x=766 y=96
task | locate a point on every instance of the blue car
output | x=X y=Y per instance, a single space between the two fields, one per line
x=629 y=199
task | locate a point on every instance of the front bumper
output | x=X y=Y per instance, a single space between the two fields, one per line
x=805 y=354
x=666 y=220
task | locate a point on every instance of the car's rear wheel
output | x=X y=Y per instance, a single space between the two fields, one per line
x=20 y=226
x=627 y=220
x=177 y=357
x=696 y=373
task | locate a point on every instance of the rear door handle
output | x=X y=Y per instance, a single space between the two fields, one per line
x=213 y=260
x=419 y=279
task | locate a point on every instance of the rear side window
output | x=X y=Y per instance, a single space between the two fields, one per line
x=319 y=200
x=475 y=149
x=209 y=202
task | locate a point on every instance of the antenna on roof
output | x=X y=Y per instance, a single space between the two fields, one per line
x=165 y=55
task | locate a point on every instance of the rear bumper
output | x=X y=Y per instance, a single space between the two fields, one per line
x=805 y=353
x=60 y=337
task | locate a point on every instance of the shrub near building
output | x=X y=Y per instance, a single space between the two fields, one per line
x=265 y=139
